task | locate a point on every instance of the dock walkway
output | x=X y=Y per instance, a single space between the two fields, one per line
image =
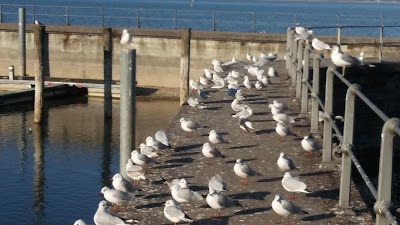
x=260 y=151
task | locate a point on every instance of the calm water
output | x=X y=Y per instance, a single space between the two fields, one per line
x=54 y=176
x=237 y=15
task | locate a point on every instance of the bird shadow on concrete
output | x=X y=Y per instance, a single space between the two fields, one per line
x=279 y=96
x=253 y=211
x=185 y=154
x=316 y=173
x=180 y=160
x=161 y=195
x=272 y=179
x=243 y=160
x=321 y=216
x=198 y=188
x=213 y=108
x=150 y=205
x=221 y=133
x=266 y=131
x=258 y=195
x=219 y=101
x=259 y=103
x=255 y=99
x=188 y=147
x=222 y=220
x=326 y=194
x=301 y=125
x=260 y=113
x=168 y=166
x=242 y=146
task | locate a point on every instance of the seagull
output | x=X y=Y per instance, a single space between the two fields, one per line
x=38 y=23
x=189 y=125
x=344 y=60
x=265 y=80
x=309 y=144
x=122 y=184
x=216 y=138
x=240 y=95
x=218 y=84
x=246 y=113
x=245 y=124
x=283 y=118
x=162 y=137
x=194 y=85
x=211 y=152
x=247 y=82
x=259 y=85
x=125 y=38
x=194 y=102
x=237 y=106
x=115 y=196
x=285 y=163
x=274 y=110
x=218 y=200
x=79 y=222
x=103 y=217
x=272 y=72
x=283 y=131
x=285 y=208
x=255 y=71
x=217 y=183
x=298 y=29
x=171 y=183
x=293 y=184
x=204 y=81
x=141 y=159
x=135 y=172
x=183 y=194
x=319 y=45
x=174 y=213
x=249 y=57
x=157 y=145
x=243 y=171
x=148 y=150
x=280 y=105
x=304 y=35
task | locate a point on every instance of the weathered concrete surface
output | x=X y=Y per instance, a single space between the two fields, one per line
x=77 y=52
x=259 y=151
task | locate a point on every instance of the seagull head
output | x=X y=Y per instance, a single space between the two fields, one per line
x=213 y=132
x=124 y=31
x=287 y=174
x=117 y=176
x=134 y=152
x=278 y=198
x=103 y=205
x=79 y=222
x=104 y=190
x=239 y=161
x=182 y=120
x=149 y=138
x=297 y=24
x=336 y=48
x=282 y=154
x=142 y=145
x=183 y=183
x=212 y=191
x=169 y=202
x=206 y=144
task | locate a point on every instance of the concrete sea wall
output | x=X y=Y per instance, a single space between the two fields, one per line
x=77 y=52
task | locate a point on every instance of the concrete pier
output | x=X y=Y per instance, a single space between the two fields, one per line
x=260 y=150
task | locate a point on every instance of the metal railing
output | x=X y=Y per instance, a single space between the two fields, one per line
x=260 y=22
x=296 y=52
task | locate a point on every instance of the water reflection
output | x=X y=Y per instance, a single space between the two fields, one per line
x=21 y=142
x=106 y=154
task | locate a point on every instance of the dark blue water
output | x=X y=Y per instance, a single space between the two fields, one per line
x=220 y=15
x=54 y=176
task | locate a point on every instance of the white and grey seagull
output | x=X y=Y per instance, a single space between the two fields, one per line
x=285 y=208
x=293 y=185
x=174 y=213
x=341 y=59
x=285 y=163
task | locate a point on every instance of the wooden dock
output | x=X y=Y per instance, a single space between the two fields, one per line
x=260 y=151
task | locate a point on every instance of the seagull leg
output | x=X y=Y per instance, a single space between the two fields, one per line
x=343 y=69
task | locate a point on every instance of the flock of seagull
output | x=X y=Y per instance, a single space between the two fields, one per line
x=235 y=84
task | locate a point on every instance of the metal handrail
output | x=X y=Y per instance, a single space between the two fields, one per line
x=390 y=129
x=258 y=20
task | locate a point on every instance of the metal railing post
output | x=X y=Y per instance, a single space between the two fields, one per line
x=339 y=28
x=213 y=21
x=345 y=178
x=254 y=22
x=175 y=19
x=67 y=15
x=306 y=70
x=102 y=17
x=315 y=93
x=1 y=13
x=381 y=43
x=294 y=61
x=138 y=18
x=288 y=47
x=327 y=142
x=299 y=68
x=384 y=195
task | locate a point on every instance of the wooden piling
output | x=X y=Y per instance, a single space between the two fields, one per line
x=22 y=42
x=128 y=106
x=185 y=64
x=107 y=63
x=39 y=81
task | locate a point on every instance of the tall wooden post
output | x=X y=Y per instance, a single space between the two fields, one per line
x=39 y=81
x=107 y=63
x=185 y=64
x=22 y=42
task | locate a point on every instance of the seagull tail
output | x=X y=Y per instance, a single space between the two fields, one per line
x=187 y=218
x=305 y=191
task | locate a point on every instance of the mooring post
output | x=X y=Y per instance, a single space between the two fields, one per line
x=128 y=106
x=107 y=70
x=22 y=42
x=39 y=75
x=185 y=64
